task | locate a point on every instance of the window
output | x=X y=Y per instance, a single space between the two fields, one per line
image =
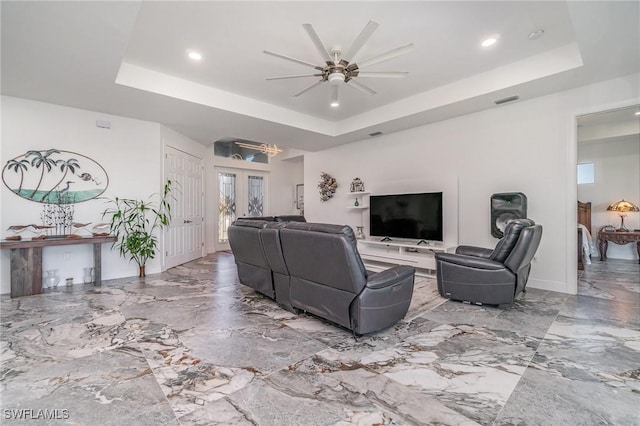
x=248 y=151
x=586 y=173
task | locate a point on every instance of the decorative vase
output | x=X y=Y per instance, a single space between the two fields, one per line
x=360 y=232
x=88 y=276
x=52 y=279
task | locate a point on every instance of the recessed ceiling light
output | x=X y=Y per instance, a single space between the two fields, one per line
x=490 y=41
x=637 y=113
x=335 y=104
x=196 y=56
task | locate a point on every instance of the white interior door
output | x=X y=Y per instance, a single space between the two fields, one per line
x=183 y=239
x=240 y=193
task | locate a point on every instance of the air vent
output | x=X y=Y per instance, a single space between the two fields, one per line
x=375 y=134
x=505 y=100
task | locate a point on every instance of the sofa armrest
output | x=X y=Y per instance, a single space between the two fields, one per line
x=469 y=261
x=474 y=251
x=390 y=276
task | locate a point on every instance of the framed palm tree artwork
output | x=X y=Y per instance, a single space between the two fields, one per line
x=54 y=176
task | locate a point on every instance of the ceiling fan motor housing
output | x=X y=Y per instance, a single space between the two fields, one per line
x=336 y=77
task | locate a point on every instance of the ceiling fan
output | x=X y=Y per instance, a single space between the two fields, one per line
x=339 y=68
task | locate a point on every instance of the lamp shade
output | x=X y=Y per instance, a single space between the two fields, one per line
x=623 y=207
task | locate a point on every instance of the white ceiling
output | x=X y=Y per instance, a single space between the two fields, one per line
x=129 y=58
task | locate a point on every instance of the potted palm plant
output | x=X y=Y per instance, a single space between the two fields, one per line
x=133 y=223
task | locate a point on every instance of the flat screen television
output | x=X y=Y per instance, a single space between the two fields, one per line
x=412 y=216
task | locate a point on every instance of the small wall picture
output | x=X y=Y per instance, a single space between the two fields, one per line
x=300 y=197
x=54 y=176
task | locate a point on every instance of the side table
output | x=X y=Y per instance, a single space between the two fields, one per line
x=617 y=237
x=26 y=261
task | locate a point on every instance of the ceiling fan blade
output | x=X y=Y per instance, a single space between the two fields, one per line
x=386 y=55
x=360 y=40
x=324 y=52
x=294 y=76
x=381 y=74
x=289 y=58
x=307 y=89
x=361 y=87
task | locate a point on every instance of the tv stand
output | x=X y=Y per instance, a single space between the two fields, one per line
x=382 y=254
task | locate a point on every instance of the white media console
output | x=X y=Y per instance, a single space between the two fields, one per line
x=378 y=255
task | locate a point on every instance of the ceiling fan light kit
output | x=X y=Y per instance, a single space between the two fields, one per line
x=340 y=69
x=336 y=78
x=335 y=103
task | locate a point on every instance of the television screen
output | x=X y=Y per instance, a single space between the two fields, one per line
x=415 y=216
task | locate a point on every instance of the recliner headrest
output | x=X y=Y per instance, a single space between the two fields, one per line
x=327 y=228
x=250 y=223
x=275 y=225
x=511 y=234
x=290 y=218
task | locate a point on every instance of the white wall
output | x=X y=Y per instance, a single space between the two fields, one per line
x=520 y=147
x=130 y=152
x=180 y=142
x=617 y=176
x=286 y=173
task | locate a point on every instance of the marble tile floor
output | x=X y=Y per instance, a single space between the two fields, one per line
x=192 y=346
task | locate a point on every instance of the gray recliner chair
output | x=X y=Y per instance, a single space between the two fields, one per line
x=485 y=276
x=253 y=267
x=328 y=279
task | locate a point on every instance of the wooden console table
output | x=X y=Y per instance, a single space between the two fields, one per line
x=26 y=261
x=617 y=238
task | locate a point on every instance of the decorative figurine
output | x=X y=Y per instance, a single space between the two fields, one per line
x=357 y=185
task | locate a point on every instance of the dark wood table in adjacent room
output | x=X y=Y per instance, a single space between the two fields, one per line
x=26 y=261
x=617 y=237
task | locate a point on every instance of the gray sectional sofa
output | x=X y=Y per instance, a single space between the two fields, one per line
x=316 y=268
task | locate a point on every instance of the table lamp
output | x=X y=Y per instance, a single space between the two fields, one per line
x=622 y=207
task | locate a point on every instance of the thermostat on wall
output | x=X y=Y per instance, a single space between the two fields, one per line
x=103 y=124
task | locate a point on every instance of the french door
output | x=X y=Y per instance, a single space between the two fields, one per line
x=184 y=241
x=240 y=193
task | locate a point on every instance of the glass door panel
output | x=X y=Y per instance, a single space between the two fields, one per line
x=240 y=193
x=255 y=199
x=227 y=197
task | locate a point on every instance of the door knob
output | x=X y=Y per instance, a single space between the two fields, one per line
x=187 y=221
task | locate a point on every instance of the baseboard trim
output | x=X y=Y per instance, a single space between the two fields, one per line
x=557 y=286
